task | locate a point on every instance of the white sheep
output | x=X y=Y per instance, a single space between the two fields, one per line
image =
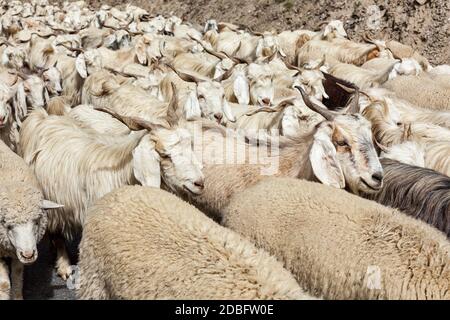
x=144 y=243
x=22 y=220
x=340 y=246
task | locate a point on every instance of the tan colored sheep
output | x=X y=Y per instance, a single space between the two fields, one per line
x=145 y=243
x=340 y=246
x=421 y=91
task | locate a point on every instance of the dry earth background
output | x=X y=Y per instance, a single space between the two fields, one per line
x=424 y=24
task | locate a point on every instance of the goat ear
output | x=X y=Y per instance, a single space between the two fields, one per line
x=21 y=101
x=109 y=40
x=141 y=52
x=80 y=66
x=5 y=58
x=192 y=107
x=46 y=96
x=241 y=89
x=227 y=111
x=328 y=29
x=259 y=47
x=146 y=164
x=323 y=158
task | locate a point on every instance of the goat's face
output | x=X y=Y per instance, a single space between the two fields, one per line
x=180 y=167
x=88 y=62
x=21 y=235
x=101 y=17
x=35 y=92
x=343 y=154
x=311 y=82
x=267 y=46
x=52 y=80
x=407 y=66
x=261 y=84
x=212 y=101
x=334 y=29
x=299 y=120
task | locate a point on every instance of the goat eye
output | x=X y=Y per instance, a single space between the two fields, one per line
x=342 y=143
x=399 y=124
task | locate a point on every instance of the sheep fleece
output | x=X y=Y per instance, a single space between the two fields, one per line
x=340 y=246
x=145 y=243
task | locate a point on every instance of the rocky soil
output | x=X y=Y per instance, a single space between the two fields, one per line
x=424 y=24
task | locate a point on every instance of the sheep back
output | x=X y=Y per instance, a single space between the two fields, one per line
x=340 y=246
x=144 y=243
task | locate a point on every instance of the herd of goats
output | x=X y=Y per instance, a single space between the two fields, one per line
x=115 y=124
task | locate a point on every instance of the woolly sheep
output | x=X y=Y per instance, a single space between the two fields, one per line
x=22 y=220
x=340 y=246
x=421 y=91
x=144 y=243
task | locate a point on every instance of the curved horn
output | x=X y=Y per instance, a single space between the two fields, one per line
x=255 y=33
x=173 y=105
x=226 y=74
x=133 y=123
x=184 y=76
x=353 y=105
x=121 y=73
x=290 y=66
x=379 y=145
x=327 y=114
x=22 y=75
x=368 y=38
x=283 y=104
x=216 y=54
x=71 y=49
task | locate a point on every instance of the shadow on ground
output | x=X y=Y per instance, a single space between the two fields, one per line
x=40 y=279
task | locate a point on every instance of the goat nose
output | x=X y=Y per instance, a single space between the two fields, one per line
x=218 y=116
x=266 y=101
x=28 y=254
x=378 y=177
x=199 y=184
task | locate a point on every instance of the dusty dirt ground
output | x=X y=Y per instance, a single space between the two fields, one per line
x=424 y=24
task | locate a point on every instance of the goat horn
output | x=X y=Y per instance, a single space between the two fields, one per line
x=290 y=66
x=71 y=49
x=133 y=123
x=353 y=106
x=123 y=74
x=327 y=114
x=185 y=76
x=382 y=147
x=173 y=105
x=279 y=107
x=226 y=74
x=322 y=62
x=22 y=75
x=368 y=38
x=211 y=52
x=256 y=33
